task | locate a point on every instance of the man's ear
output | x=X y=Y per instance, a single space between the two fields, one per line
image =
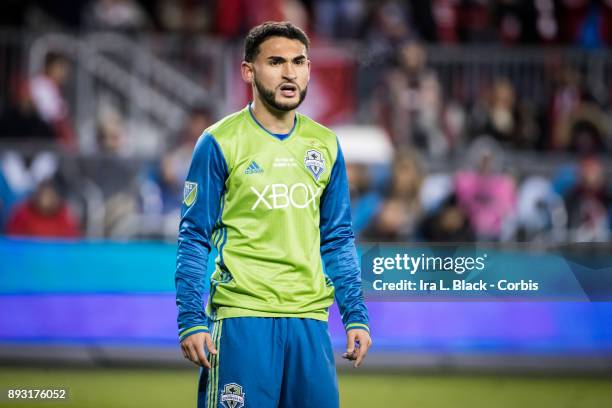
x=246 y=69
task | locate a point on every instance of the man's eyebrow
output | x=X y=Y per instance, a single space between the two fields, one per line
x=279 y=58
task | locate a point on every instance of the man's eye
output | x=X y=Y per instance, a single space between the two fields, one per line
x=275 y=62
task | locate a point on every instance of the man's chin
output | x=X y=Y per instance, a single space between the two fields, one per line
x=286 y=105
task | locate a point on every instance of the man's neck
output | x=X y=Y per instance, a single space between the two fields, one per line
x=280 y=122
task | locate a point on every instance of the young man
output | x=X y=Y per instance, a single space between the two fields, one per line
x=267 y=187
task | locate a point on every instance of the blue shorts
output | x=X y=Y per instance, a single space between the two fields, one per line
x=270 y=362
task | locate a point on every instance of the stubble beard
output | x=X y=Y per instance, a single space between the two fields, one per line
x=269 y=97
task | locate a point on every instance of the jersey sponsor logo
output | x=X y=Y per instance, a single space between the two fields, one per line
x=315 y=163
x=232 y=396
x=253 y=168
x=277 y=196
x=190 y=193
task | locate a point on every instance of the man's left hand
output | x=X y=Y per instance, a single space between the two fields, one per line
x=358 y=342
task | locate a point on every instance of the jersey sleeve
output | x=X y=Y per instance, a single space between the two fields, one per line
x=200 y=214
x=338 y=248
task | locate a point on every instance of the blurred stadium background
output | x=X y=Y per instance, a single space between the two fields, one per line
x=461 y=120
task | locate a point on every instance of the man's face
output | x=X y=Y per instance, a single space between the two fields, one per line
x=59 y=71
x=280 y=73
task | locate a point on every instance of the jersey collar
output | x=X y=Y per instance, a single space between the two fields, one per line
x=279 y=136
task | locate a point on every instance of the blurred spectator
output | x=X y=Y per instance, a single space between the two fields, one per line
x=500 y=116
x=48 y=100
x=111 y=134
x=185 y=16
x=566 y=96
x=174 y=164
x=475 y=20
x=588 y=204
x=547 y=25
x=22 y=121
x=448 y=224
x=45 y=214
x=162 y=192
x=493 y=114
x=446 y=19
x=586 y=22
x=114 y=176
x=515 y=20
x=295 y=11
x=487 y=195
x=435 y=190
x=389 y=25
x=365 y=201
x=585 y=130
x=411 y=106
x=586 y=137
x=115 y=15
x=541 y=214
x=339 y=18
x=400 y=213
x=23 y=173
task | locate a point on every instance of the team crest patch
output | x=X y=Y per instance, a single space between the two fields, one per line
x=232 y=396
x=315 y=163
x=190 y=193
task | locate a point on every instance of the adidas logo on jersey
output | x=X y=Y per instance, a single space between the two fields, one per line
x=253 y=168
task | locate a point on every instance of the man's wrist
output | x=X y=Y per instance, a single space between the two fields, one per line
x=357 y=325
x=193 y=330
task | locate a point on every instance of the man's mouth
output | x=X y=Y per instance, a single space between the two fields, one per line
x=288 y=90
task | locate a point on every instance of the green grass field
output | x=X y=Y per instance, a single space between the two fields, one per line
x=176 y=388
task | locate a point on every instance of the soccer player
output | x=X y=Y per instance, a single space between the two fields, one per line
x=267 y=188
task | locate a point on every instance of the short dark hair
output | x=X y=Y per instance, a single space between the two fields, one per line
x=262 y=32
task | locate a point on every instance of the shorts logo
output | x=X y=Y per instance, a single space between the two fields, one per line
x=232 y=396
x=190 y=193
x=315 y=163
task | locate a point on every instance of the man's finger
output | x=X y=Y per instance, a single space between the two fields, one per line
x=350 y=342
x=210 y=346
x=364 y=345
x=191 y=354
x=184 y=351
x=201 y=356
x=348 y=356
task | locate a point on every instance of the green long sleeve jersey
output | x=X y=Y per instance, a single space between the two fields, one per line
x=276 y=208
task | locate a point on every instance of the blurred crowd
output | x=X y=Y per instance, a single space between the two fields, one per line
x=454 y=176
x=486 y=199
x=587 y=23
x=410 y=103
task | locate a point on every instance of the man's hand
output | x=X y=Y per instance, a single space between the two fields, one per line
x=358 y=342
x=193 y=348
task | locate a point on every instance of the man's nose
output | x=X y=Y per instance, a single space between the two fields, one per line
x=289 y=71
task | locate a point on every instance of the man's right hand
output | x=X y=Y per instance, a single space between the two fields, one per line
x=194 y=348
